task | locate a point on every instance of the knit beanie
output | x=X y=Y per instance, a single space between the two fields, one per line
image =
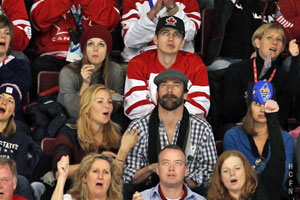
x=13 y=90
x=96 y=31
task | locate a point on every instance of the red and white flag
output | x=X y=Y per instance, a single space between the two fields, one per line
x=282 y=21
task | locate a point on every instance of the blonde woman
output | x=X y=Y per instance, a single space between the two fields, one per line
x=98 y=177
x=94 y=131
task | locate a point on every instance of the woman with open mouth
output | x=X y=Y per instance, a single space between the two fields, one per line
x=254 y=138
x=98 y=177
x=236 y=174
x=268 y=41
x=93 y=68
x=94 y=132
x=14 y=140
x=12 y=70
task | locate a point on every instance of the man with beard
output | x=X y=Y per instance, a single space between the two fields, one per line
x=170 y=123
x=140 y=90
x=172 y=168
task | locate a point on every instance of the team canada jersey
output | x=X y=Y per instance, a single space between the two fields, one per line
x=289 y=18
x=53 y=18
x=140 y=90
x=15 y=10
x=138 y=30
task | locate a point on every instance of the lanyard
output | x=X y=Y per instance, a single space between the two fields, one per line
x=150 y=3
x=255 y=72
x=77 y=15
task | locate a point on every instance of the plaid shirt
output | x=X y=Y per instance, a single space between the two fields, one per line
x=203 y=154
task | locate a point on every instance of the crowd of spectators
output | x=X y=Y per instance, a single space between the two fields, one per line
x=144 y=126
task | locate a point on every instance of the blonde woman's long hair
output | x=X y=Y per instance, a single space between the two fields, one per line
x=217 y=189
x=111 y=137
x=79 y=190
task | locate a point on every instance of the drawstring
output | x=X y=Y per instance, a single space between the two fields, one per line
x=265 y=8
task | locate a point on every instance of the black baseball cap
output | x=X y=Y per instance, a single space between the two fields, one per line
x=171 y=22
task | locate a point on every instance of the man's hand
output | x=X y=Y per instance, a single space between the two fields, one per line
x=294 y=48
x=142 y=174
x=168 y=3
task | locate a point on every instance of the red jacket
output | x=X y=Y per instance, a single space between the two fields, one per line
x=15 y=10
x=140 y=90
x=53 y=18
x=290 y=19
x=16 y=197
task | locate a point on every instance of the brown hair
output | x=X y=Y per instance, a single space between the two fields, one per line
x=5 y=22
x=111 y=137
x=10 y=129
x=248 y=122
x=174 y=147
x=80 y=190
x=84 y=61
x=217 y=190
x=259 y=33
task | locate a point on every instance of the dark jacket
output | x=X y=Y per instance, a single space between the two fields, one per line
x=47 y=117
x=21 y=148
x=270 y=180
x=240 y=75
x=234 y=25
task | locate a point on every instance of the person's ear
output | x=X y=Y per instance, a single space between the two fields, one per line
x=15 y=183
x=257 y=43
x=186 y=170
x=182 y=43
x=155 y=39
x=185 y=96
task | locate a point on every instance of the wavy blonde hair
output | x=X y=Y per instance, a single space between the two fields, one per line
x=111 y=137
x=79 y=191
x=218 y=191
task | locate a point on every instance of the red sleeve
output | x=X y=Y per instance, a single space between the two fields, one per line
x=198 y=101
x=15 y=10
x=104 y=12
x=44 y=13
x=290 y=10
x=137 y=102
x=192 y=11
